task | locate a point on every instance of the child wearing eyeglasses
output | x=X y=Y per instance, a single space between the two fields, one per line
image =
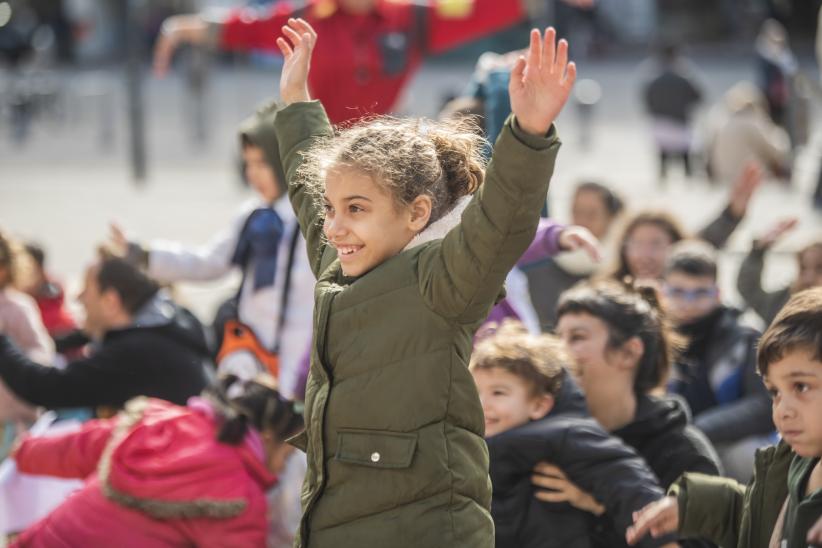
x=716 y=373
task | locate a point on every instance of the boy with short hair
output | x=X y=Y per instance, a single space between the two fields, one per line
x=716 y=372
x=784 y=500
x=519 y=376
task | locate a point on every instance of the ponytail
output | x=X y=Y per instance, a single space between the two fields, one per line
x=260 y=406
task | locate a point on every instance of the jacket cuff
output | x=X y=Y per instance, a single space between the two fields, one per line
x=535 y=142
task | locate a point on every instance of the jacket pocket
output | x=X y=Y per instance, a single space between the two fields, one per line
x=300 y=441
x=376 y=448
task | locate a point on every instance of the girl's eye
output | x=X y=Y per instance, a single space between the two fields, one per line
x=498 y=392
x=800 y=387
x=328 y=209
x=354 y=209
x=773 y=393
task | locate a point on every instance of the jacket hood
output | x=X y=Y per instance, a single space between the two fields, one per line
x=163 y=315
x=655 y=416
x=442 y=226
x=259 y=130
x=165 y=460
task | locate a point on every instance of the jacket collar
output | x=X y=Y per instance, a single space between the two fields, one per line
x=442 y=226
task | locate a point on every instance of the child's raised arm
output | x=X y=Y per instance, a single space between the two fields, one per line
x=467 y=270
x=298 y=127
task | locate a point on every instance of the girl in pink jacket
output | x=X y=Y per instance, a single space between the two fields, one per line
x=162 y=475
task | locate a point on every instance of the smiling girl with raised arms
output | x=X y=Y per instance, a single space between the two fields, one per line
x=410 y=238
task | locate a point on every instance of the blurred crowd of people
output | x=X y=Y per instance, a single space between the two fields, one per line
x=613 y=371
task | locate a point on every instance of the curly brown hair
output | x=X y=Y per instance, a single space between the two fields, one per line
x=406 y=157
x=537 y=359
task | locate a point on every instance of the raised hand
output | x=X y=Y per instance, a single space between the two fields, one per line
x=776 y=232
x=578 y=237
x=744 y=188
x=556 y=487
x=176 y=30
x=658 y=518
x=541 y=81
x=118 y=241
x=296 y=52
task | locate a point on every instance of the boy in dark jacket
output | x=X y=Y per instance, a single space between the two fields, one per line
x=518 y=377
x=784 y=500
x=716 y=372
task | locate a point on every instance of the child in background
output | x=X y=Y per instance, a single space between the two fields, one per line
x=518 y=376
x=784 y=500
x=49 y=294
x=411 y=249
x=160 y=475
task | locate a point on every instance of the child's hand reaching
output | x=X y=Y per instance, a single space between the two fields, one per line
x=658 y=518
x=541 y=82
x=297 y=56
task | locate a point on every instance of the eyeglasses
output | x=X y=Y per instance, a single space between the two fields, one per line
x=690 y=295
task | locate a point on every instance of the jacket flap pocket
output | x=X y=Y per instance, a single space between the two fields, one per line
x=377 y=448
x=300 y=441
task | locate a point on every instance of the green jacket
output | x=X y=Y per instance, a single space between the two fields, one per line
x=737 y=516
x=394 y=427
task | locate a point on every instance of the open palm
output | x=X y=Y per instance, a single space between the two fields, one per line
x=541 y=81
x=296 y=52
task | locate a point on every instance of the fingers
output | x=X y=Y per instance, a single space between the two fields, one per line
x=657 y=518
x=163 y=52
x=295 y=37
x=552 y=496
x=590 y=248
x=285 y=49
x=534 y=51
x=302 y=26
x=549 y=50
x=518 y=72
x=548 y=469
x=550 y=482
x=561 y=61
x=570 y=76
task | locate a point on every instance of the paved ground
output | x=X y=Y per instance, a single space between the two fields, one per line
x=70 y=178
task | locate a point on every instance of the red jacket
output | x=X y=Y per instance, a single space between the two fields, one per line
x=157 y=477
x=362 y=62
x=50 y=301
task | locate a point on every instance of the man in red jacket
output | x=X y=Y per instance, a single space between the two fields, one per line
x=369 y=50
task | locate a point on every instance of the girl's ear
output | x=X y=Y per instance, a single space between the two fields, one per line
x=420 y=213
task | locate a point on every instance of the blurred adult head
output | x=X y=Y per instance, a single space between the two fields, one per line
x=619 y=342
x=645 y=244
x=810 y=267
x=595 y=207
x=113 y=291
x=690 y=285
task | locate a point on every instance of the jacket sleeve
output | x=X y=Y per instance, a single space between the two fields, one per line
x=720 y=229
x=462 y=274
x=102 y=379
x=612 y=473
x=170 y=261
x=749 y=285
x=71 y=455
x=298 y=127
x=447 y=30
x=545 y=244
x=710 y=507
